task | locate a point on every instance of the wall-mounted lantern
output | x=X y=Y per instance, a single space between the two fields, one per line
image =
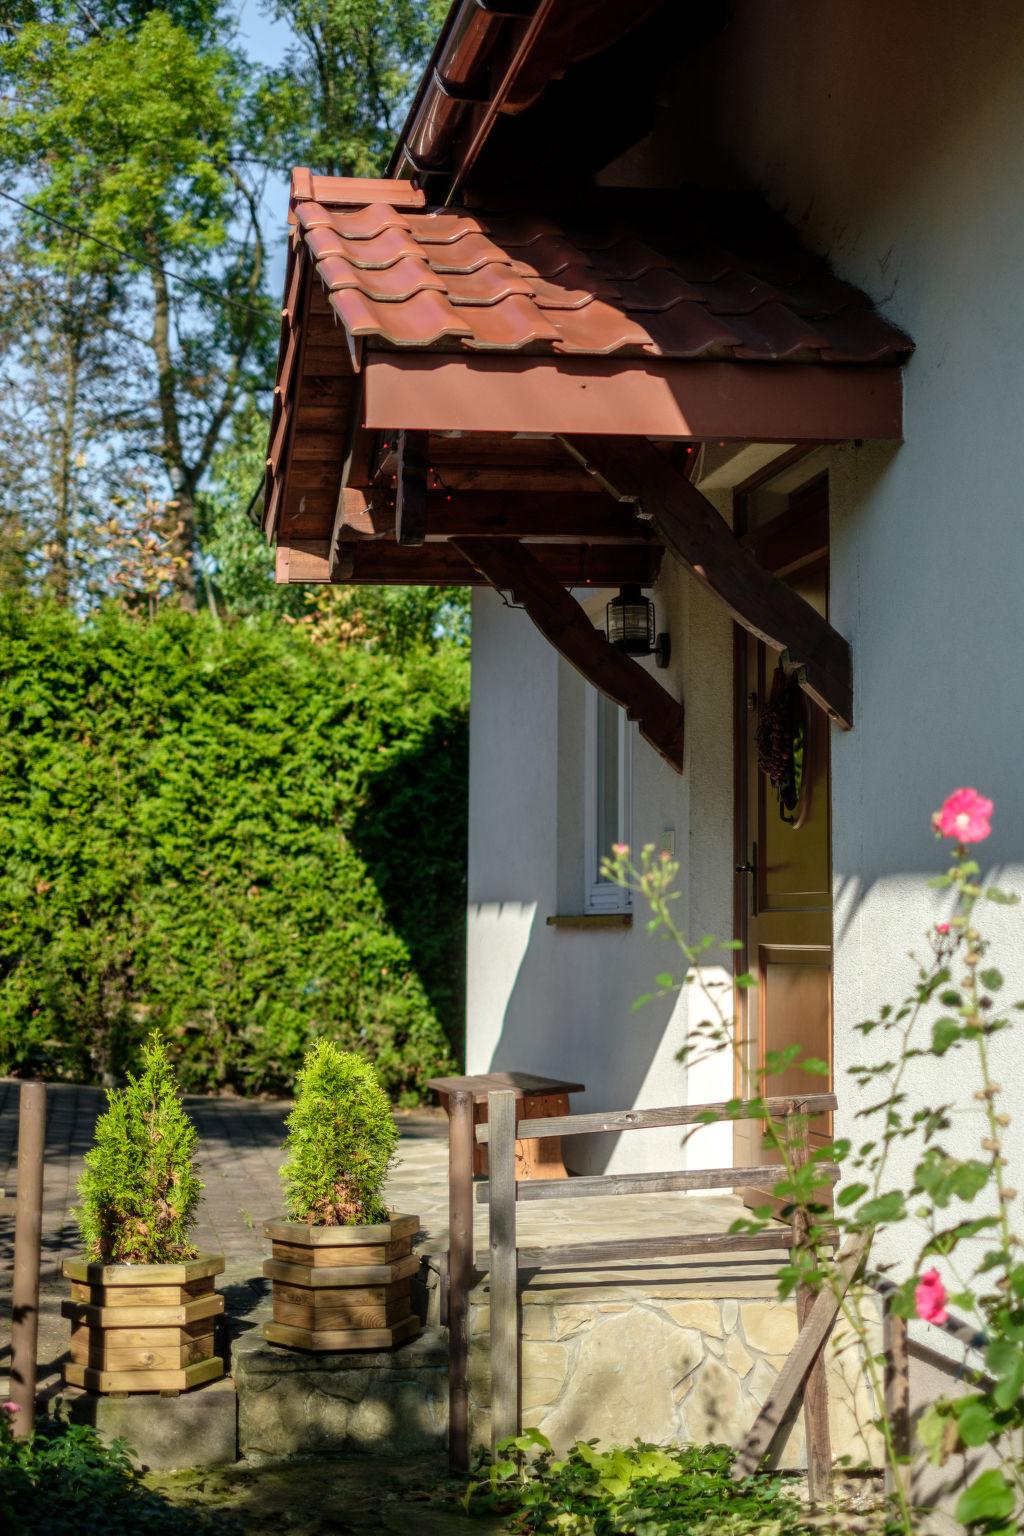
x=630 y=626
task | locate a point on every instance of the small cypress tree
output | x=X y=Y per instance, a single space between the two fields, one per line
x=341 y=1141
x=139 y=1192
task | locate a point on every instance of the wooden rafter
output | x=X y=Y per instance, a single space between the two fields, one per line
x=411 y=488
x=634 y=470
x=374 y=561
x=511 y=567
x=561 y=518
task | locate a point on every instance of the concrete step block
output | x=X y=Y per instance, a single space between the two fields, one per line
x=370 y=1403
x=194 y=1429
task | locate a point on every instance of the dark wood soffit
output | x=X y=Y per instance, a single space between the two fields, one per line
x=568 y=518
x=701 y=539
x=511 y=567
x=375 y=562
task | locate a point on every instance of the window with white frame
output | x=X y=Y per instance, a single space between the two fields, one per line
x=606 y=797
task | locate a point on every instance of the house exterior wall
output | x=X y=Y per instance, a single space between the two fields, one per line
x=890 y=137
x=559 y=1001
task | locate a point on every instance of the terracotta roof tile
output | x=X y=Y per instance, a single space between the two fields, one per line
x=367 y=223
x=690 y=330
x=657 y=274
x=388 y=285
x=511 y=325
x=599 y=329
x=487 y=285
x=416 y=322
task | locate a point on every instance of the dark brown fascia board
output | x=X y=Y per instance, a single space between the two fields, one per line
x=634 y=397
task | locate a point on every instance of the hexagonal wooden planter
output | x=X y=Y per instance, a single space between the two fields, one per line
x=341 y=1287
x=142 y=1327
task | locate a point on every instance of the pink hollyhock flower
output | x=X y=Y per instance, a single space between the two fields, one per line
x=930 y=1298
x=942 y=928
x=964 y=816
x=10 y=1407
x=620 y=850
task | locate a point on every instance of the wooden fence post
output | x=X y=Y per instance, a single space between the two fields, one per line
x=816 y=1426
x=897 y=1393
x=501 y=1144
x=27 y=1235
x=460 y=1271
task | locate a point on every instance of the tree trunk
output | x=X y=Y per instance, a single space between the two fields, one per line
x=171 y=451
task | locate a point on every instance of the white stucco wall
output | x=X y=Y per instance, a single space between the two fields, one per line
x=890 y=135
x=558 y=1001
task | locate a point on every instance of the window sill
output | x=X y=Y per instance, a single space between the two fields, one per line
x=591 y=920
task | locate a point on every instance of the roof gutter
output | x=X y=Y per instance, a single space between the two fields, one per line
x=455 y=97
x=499 y=97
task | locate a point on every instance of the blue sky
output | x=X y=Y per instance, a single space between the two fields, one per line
x=265 y=41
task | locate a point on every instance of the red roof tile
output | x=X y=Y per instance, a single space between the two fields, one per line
x=675 y=277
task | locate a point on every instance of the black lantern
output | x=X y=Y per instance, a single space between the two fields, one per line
x=629 y=622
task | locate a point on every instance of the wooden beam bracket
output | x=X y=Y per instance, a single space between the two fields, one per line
x=411 y=488
x=510 y=567
x=699 y=537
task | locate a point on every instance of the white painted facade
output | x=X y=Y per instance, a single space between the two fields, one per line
x=890 y=136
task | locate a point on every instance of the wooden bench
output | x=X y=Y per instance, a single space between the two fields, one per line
x=537 y=1098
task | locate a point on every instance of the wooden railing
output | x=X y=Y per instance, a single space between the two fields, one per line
x=507 y=1259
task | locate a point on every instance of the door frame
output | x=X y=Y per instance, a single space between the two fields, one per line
x=796 y=537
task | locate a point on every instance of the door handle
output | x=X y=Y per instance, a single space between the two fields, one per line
x=750 y=868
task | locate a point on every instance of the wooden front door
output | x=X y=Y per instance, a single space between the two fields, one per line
x=784 y=874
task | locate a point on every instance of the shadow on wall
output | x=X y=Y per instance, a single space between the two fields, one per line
x=564 y=1017
x=411 y=832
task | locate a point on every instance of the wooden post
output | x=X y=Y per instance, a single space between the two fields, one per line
x=460 y=1271
x=897 y=1394
x=816 y=1427
x=501 y=1122
x=27 y=1233
x=775 y=1411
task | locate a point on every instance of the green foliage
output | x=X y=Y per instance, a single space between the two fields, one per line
x=240 y=566
x=141 y=130
x=341 y=91
x=989 y=1277
x=139 y=1192
x=341 y=1141
x=63 y=1481
x=676 y=1491
x=182 y=806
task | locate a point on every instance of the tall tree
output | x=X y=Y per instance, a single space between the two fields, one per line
x=141 y=145
x=61 y=342
x=342 y=87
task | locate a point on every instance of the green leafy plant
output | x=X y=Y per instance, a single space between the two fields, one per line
x=341 y=1141
x=62 y=1480
x=226 y=832
x=649 y=1490
x=139 y=1192
x=970 y=1258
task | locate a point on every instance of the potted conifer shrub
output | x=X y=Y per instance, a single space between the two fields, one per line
x=342 y=1262
x=143 y=1303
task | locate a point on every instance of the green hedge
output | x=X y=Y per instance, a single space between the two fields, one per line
x=232 y=834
